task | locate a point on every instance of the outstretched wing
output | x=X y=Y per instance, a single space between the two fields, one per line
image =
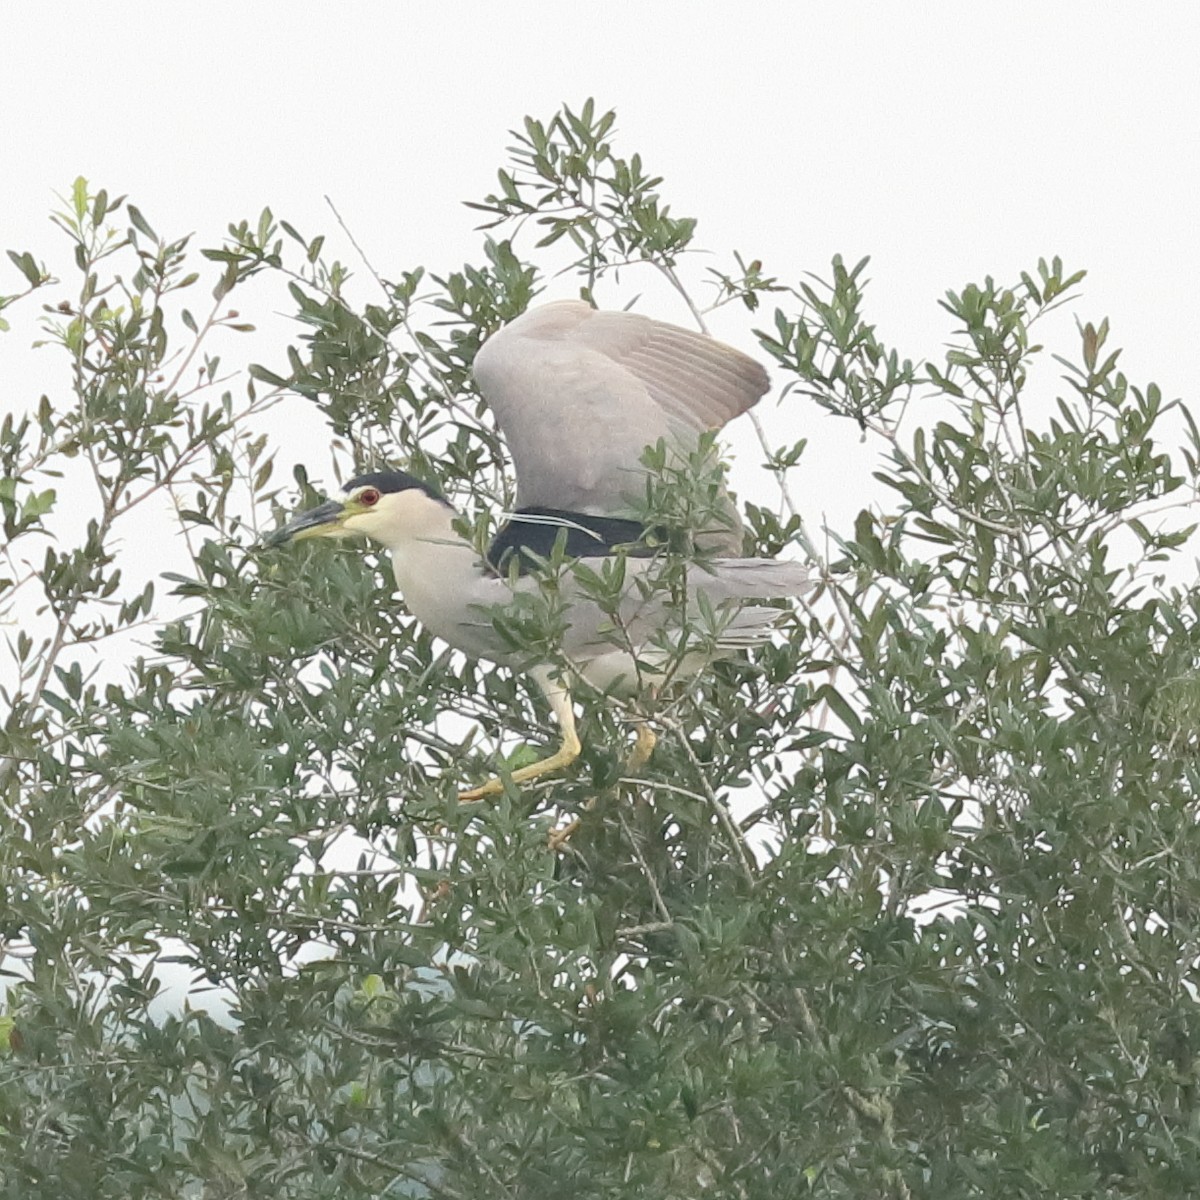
x=579 y=395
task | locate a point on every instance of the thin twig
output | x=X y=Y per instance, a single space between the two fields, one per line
x=659 y=902
x=736 y=841
x=434 y=378
x=631 y=931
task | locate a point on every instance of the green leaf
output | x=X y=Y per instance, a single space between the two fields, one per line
x=28 y=267
x=79 y=199
x=139 y=222
x=841 y=708
x=265 y=376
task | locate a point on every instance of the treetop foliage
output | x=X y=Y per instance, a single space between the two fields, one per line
x=905 y=905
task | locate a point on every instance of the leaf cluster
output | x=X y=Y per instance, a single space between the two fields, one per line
x=905 y=904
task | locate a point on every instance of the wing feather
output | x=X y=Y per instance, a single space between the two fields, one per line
x=579 y=394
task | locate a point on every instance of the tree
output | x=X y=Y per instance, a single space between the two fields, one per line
x=948 y=949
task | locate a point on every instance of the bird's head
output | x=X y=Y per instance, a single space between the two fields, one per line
x=386 y=506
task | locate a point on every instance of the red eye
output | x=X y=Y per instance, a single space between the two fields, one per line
x=368 y=497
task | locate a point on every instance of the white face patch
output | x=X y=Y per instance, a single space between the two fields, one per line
x=396 y=518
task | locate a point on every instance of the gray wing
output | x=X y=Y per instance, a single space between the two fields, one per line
x=579 y=395
x=589 y=633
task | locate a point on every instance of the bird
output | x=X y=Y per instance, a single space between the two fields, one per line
x=579 y=395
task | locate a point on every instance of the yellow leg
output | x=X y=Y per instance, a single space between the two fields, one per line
x=643 y=747
x=638 y=757
x=567 y=752
x=560 y=837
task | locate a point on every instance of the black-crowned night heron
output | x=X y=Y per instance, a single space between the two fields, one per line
x=579 y=395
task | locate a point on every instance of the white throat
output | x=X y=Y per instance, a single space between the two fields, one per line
x=434 y=565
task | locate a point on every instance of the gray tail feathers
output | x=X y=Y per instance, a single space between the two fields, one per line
x=750 y=626
x=751 y=579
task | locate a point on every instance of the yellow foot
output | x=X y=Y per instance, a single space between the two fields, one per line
x=564 y=756
x=560 y=837
x=637 y=758
x=643 y=747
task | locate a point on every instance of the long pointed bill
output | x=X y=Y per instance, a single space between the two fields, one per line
x=323 y=521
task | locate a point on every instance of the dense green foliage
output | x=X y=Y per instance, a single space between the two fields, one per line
x=947 y=947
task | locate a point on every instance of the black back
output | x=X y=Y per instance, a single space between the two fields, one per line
x=587 y=536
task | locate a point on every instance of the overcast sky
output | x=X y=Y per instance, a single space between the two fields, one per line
x=946 y=140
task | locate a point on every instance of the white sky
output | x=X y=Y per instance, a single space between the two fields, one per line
x=946 y=140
